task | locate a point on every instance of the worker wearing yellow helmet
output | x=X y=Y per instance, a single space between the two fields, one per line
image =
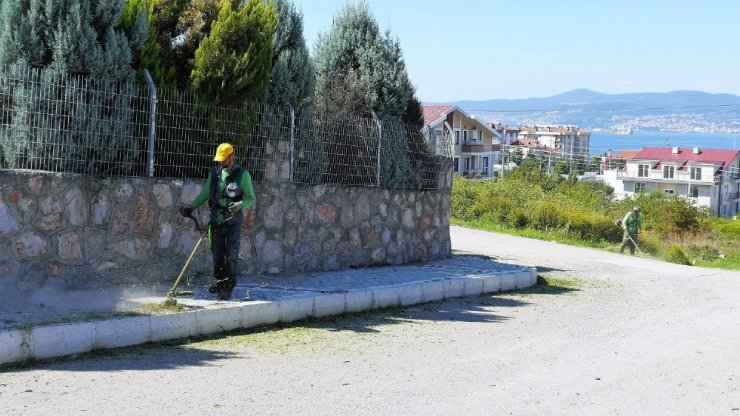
x=229 y=192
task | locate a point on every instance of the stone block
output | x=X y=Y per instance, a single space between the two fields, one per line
x=13 y=347
x=454 y=288
x=60 y=340
x=508 y=281
x=211 y=321
x=473 y=286
x=122 y=332
x=385 y=297
x=433 y=290
x=260 y=313
x=359 y=300
x=526 y=278
x=491 y=284
x=329 y=305
x=410 y=294
x=295 y=309
x=173 y=326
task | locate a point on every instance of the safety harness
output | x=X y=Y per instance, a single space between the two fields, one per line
x=232 y=192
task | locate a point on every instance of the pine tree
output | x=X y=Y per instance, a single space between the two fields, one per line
x=137 y=22
x=292 y=77
x=54 y=53
x=360 y=72
x=80 y=37
x=232 y=64
x=354 y=59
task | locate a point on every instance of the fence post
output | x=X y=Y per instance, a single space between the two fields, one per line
x=292 y=141
x=379 y=126
x=152 y=121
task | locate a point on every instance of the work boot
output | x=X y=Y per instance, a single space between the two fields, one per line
x=217 y=287
x=227 y=286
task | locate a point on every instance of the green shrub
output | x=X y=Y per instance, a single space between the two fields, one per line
x=675 y=254
x=494 y=208
x=547 y=216
x=464 y=195
x=594 y=228
x=518 y=218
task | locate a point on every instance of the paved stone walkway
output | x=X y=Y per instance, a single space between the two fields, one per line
x=62 y=323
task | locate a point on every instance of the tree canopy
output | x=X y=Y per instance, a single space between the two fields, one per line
x=233 y=62
x=292 y=77
x=81 y=37
x=359 y=69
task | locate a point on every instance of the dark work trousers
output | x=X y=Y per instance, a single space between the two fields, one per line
x=225 y=249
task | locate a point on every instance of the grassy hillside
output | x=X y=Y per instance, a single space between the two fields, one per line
x=537 y=205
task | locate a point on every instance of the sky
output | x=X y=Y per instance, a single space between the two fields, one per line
x=485 y=49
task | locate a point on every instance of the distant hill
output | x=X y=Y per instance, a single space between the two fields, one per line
x=670 y=111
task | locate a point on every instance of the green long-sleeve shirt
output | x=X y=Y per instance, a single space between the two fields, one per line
x=246 y=185
x=632 y=222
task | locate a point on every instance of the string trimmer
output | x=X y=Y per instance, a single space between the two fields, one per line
x=635 y=243
x=173 y=293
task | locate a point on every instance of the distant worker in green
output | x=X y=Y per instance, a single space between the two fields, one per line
x=632 y=223
x=228 y=191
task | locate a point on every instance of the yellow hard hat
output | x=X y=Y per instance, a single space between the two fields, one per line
x=223 y=152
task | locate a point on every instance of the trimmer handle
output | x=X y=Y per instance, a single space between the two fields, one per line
x=197 y=224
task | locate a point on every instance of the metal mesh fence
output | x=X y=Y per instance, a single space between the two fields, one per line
x=79 y=125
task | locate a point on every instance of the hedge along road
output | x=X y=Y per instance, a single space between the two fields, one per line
x=614 y=335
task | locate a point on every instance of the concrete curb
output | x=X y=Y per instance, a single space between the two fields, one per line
x=48 y=341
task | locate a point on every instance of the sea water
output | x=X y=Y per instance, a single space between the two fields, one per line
x=601 y=142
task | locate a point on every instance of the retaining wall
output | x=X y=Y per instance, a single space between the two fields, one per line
x=79 y=231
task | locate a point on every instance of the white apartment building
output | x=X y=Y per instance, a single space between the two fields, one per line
x=709 y=177
x=569 y=140
x=474 y=146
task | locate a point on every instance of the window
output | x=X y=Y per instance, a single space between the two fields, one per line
x=455 y=165
x=466 y=165
x=696 y=174
x=668 y=172
x=485 y=165
x=457 y=136
x=668 y=192
x=643 y=170
x=695 y=192
x=465 y=136
x=639 y=187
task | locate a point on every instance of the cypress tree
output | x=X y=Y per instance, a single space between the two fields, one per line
x=61 y=61
x=137 y=22
x=80 y=37
x=355 y=60
x=292 y=77
x=232 y=64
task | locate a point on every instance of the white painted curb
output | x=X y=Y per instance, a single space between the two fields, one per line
x=48 y=341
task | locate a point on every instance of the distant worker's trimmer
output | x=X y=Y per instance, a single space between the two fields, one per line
x=635 y=243
x=173 y=293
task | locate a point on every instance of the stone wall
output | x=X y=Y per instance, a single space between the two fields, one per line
x=80 y=231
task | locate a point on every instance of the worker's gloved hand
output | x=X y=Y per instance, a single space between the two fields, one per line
x=235 y=207
x=186 y=212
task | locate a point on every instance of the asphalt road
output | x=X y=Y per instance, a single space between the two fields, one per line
x=625 y=336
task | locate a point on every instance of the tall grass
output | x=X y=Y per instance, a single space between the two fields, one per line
x=534 y=204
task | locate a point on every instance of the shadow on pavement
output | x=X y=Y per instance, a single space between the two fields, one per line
x=163 y=356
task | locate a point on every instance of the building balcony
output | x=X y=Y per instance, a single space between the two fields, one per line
x=678 y=177
x=476 y=148
x=473 y=172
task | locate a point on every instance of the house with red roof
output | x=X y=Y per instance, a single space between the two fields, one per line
x=474 y=146
x=709 y=177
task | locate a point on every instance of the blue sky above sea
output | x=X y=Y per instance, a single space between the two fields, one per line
x=482 y=49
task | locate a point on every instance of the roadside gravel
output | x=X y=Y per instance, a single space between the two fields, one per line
x=616 y=335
